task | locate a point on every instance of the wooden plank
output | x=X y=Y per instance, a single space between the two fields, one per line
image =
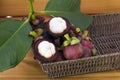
x=21 y=7
x=100 y=6
x=29 y=69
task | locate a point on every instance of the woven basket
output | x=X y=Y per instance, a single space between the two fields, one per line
x=105 y=34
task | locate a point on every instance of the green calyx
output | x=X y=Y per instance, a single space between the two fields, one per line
x=75 y=41
x=33 y=34
x=66 y=43
x=33 y=17
x=94 y=52
x=67 y=37
x=70 y=40
x=77 y=29
x=85 y=32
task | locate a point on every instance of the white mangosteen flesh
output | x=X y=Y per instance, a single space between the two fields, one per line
x=57 y=25
x=46 y=49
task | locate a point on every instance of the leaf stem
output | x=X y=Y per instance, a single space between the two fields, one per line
x=54 y=12
x=31 y=7
x=31 y=12
x=45 y=12
x=39 y=12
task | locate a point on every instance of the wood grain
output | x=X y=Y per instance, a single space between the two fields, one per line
x=29 y=69
x=100 y=6
x=21 y=7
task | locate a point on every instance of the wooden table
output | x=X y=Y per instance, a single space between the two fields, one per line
x=21 y=7
x=29 y=69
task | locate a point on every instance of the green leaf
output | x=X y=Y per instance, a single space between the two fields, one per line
x=14 y=42
x=63 y=5
x=69 y=9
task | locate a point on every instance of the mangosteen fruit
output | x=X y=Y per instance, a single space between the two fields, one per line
x=60 y=56
x=37 y=22
x=73 y=51
x=86 y=52
x=58 y=26
x=45 y=51
x=87 y=43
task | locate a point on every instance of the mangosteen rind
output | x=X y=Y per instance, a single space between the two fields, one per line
x=73 y=52
x=38 y=55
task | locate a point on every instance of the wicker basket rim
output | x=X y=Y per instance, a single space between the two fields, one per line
x=80 y=59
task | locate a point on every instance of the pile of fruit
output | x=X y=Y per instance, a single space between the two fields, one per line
x=58 y=40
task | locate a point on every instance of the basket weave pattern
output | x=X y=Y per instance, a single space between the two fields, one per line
x=105 y=34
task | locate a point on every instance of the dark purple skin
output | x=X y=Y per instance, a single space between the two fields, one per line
x=39 y=57
x=59 y=41
x=60 y=57
x=73 y=27
x=47 y=36
x=73 y=52
x=79 y=35
x=87 y=43
x=40 y=23
x=86 y=52
x=59 y=34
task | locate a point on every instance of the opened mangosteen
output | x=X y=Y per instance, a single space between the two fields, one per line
x=58 y=26
x=45 y=51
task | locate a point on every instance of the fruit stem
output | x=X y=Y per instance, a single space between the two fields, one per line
x=94 y=52
x=33 y=17
x=85 y=33
x=77 y=30
x=33 y=34
x=67 y=37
